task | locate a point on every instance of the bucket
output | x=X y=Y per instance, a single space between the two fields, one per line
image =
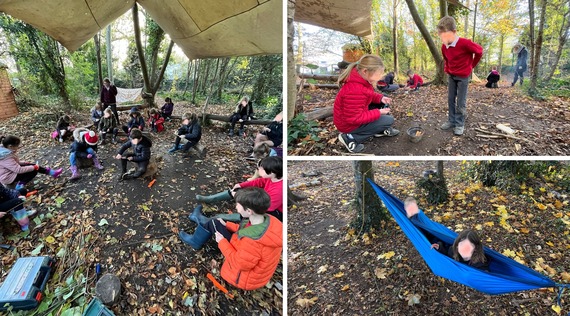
x=415 y=134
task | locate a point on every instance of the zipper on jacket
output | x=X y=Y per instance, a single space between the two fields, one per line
x=237 y=280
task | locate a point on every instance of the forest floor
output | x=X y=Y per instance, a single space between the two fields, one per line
x=131 y=229
x=541 y=128
x=333 y=272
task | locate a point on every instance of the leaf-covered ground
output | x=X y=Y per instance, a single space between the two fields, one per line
x=332 y=272
x=542 y=128
x=131 y=229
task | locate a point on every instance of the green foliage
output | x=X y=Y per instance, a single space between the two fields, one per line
x=81 y=78
x=300 y=128
x=510 y=175
x=435 y=188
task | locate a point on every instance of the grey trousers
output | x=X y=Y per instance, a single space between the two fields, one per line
x=366 y=131
x=457 y=99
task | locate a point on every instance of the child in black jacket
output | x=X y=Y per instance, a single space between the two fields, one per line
x=140 y=156
x=136 y=121
x=190 y=132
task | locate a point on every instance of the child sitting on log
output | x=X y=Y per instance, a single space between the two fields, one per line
x=140 y=156
x=17 y=173
x=252 y=248
x=84 y=147
x=155 y=121
x=136 y=121
x=167 y=109
x=108 y=125
x=271 y=180
x=190 y=132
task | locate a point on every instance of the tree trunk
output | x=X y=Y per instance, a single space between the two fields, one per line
x=562 y=38
x=434 y=185
x=109 y=54
x=162 y=70
x=501 y=49
x=188 y=72
x=369 y=210
x=291 y=69
x=466 y=22
x=537 y=50
x=395 y=37
x=443 y=8
x=195 y=80
x=531 y=34
x=99 y=66
x=435 y=53
x=142 y=61
x=475 y=19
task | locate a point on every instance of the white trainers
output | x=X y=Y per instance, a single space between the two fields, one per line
x=351 y=145
x=458 y=130
x=447 y=125
x=388 y=132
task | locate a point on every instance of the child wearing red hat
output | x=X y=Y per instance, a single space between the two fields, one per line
x=84 y=146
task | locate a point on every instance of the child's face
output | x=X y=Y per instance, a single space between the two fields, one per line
x=465 y=249
x=135 y=141
x=372 y=77
x=412 y=209
x=186 y=122
x=263 y=173
x=245 y=213
x=447 y=37
x=107 y=114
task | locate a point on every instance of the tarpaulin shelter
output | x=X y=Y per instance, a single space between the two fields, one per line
x=352 y=17
x=203 y=29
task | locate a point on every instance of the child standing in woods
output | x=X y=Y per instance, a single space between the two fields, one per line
x=140 y=156
x=84 y=147
x=353 y=117
x=252 y=248
x=460 y=56
x=12 y=171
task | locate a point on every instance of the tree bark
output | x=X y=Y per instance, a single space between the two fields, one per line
x=140 y=51
x=443 y=8
x=195 y=80
x=562 y=39
x=395 y=37
x=531 y=34
x=369 y=210
x=99 y=66
x=501 y=49
x=291 y=69
x=435 y=53
x=109 y=54
x=538 y=49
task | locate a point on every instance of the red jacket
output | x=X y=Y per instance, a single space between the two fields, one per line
x=274 y=189
x=158 y=121
x=253 y=253
x=461 y=59
x=351 y=104
x=415 y=81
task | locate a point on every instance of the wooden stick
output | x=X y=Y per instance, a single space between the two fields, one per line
x=503 y=135
x=489 y=136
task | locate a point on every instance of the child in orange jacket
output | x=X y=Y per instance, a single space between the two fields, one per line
x=252 y=248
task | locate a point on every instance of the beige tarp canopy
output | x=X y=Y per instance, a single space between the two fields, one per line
x=348 y=16
x=202 y=28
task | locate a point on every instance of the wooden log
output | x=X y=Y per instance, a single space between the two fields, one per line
x=504 y=135
x=321 y=85
x=319 y=113
x=319 y=77
x=130 y=106
x=223 y=118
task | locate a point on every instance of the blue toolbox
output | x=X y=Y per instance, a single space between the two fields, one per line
x=24 y=285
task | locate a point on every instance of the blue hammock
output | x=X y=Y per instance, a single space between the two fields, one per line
x=505 y=276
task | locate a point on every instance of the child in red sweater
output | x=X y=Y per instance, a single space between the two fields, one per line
x=356 y=114
x=271 y=172
x=460 y=57
x=414 y=81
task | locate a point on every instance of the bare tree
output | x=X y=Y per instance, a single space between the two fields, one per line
x=369 y=210
x=562 y=39
x=538 y=47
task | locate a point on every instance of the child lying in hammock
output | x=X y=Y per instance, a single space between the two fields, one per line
x=467 y=247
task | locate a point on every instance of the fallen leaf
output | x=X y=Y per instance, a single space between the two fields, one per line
x=306 y=302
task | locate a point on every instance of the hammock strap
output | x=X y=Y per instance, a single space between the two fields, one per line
x=561 y=288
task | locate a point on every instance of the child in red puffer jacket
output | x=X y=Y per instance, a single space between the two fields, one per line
x=356 y=112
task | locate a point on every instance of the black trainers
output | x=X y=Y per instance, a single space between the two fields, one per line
x=350 y=144
x=388 y=132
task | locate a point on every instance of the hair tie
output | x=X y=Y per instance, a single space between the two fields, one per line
x=357 y=63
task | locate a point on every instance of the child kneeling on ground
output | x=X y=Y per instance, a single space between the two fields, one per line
x=190 y=131
x=355 y=113
x=84 y=147
x=252 y=249
x=140 y=156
